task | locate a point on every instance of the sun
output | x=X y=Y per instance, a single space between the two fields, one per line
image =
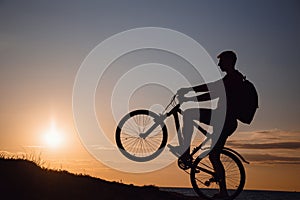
x=53 y=137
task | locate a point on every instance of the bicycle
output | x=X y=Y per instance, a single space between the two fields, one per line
x=141 y=135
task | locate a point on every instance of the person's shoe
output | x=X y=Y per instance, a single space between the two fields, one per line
x=185 y=160
x=176 y=150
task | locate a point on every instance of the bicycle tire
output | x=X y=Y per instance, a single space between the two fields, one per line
x=234 y=173
x=132 y=145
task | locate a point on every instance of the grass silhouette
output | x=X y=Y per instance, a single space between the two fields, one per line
x=26 y=179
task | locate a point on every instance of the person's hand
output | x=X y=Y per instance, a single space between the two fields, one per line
x=182 y=91
x=181 y=99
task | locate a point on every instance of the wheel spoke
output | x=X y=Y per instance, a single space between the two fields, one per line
x=129 y=139
x=206 y=186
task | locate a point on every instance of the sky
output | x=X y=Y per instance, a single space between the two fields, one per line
x=43 y=44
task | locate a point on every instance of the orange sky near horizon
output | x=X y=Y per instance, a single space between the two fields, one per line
x=261 y=174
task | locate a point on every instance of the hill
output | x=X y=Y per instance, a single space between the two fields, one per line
x=23 y=179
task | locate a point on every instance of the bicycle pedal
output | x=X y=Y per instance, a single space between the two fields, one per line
x=207 y=183
x=184 y=164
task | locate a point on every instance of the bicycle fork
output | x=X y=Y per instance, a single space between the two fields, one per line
x=178 y=130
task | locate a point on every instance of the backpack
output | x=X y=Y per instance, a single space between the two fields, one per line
x=247 y=102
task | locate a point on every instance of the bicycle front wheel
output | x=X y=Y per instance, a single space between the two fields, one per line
x=135 y=147
x=206 y=184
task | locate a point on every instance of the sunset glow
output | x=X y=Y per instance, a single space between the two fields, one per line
x=53 y=138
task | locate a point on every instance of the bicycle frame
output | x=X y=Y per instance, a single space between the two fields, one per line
x=148 y=144
x=174 y=112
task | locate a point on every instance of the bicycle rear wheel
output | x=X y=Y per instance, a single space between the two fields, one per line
x=206 y=185
x=128 y=137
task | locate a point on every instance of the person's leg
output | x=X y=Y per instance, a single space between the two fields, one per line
x=214 y=157
x=189 y=115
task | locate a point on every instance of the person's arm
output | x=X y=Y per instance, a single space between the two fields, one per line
x=211 y=89
x=202 y=97
x=199 y=88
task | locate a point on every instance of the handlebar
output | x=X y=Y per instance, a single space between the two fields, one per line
x=173 y=102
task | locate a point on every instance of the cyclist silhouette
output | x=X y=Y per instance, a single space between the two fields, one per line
x=232 y=82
